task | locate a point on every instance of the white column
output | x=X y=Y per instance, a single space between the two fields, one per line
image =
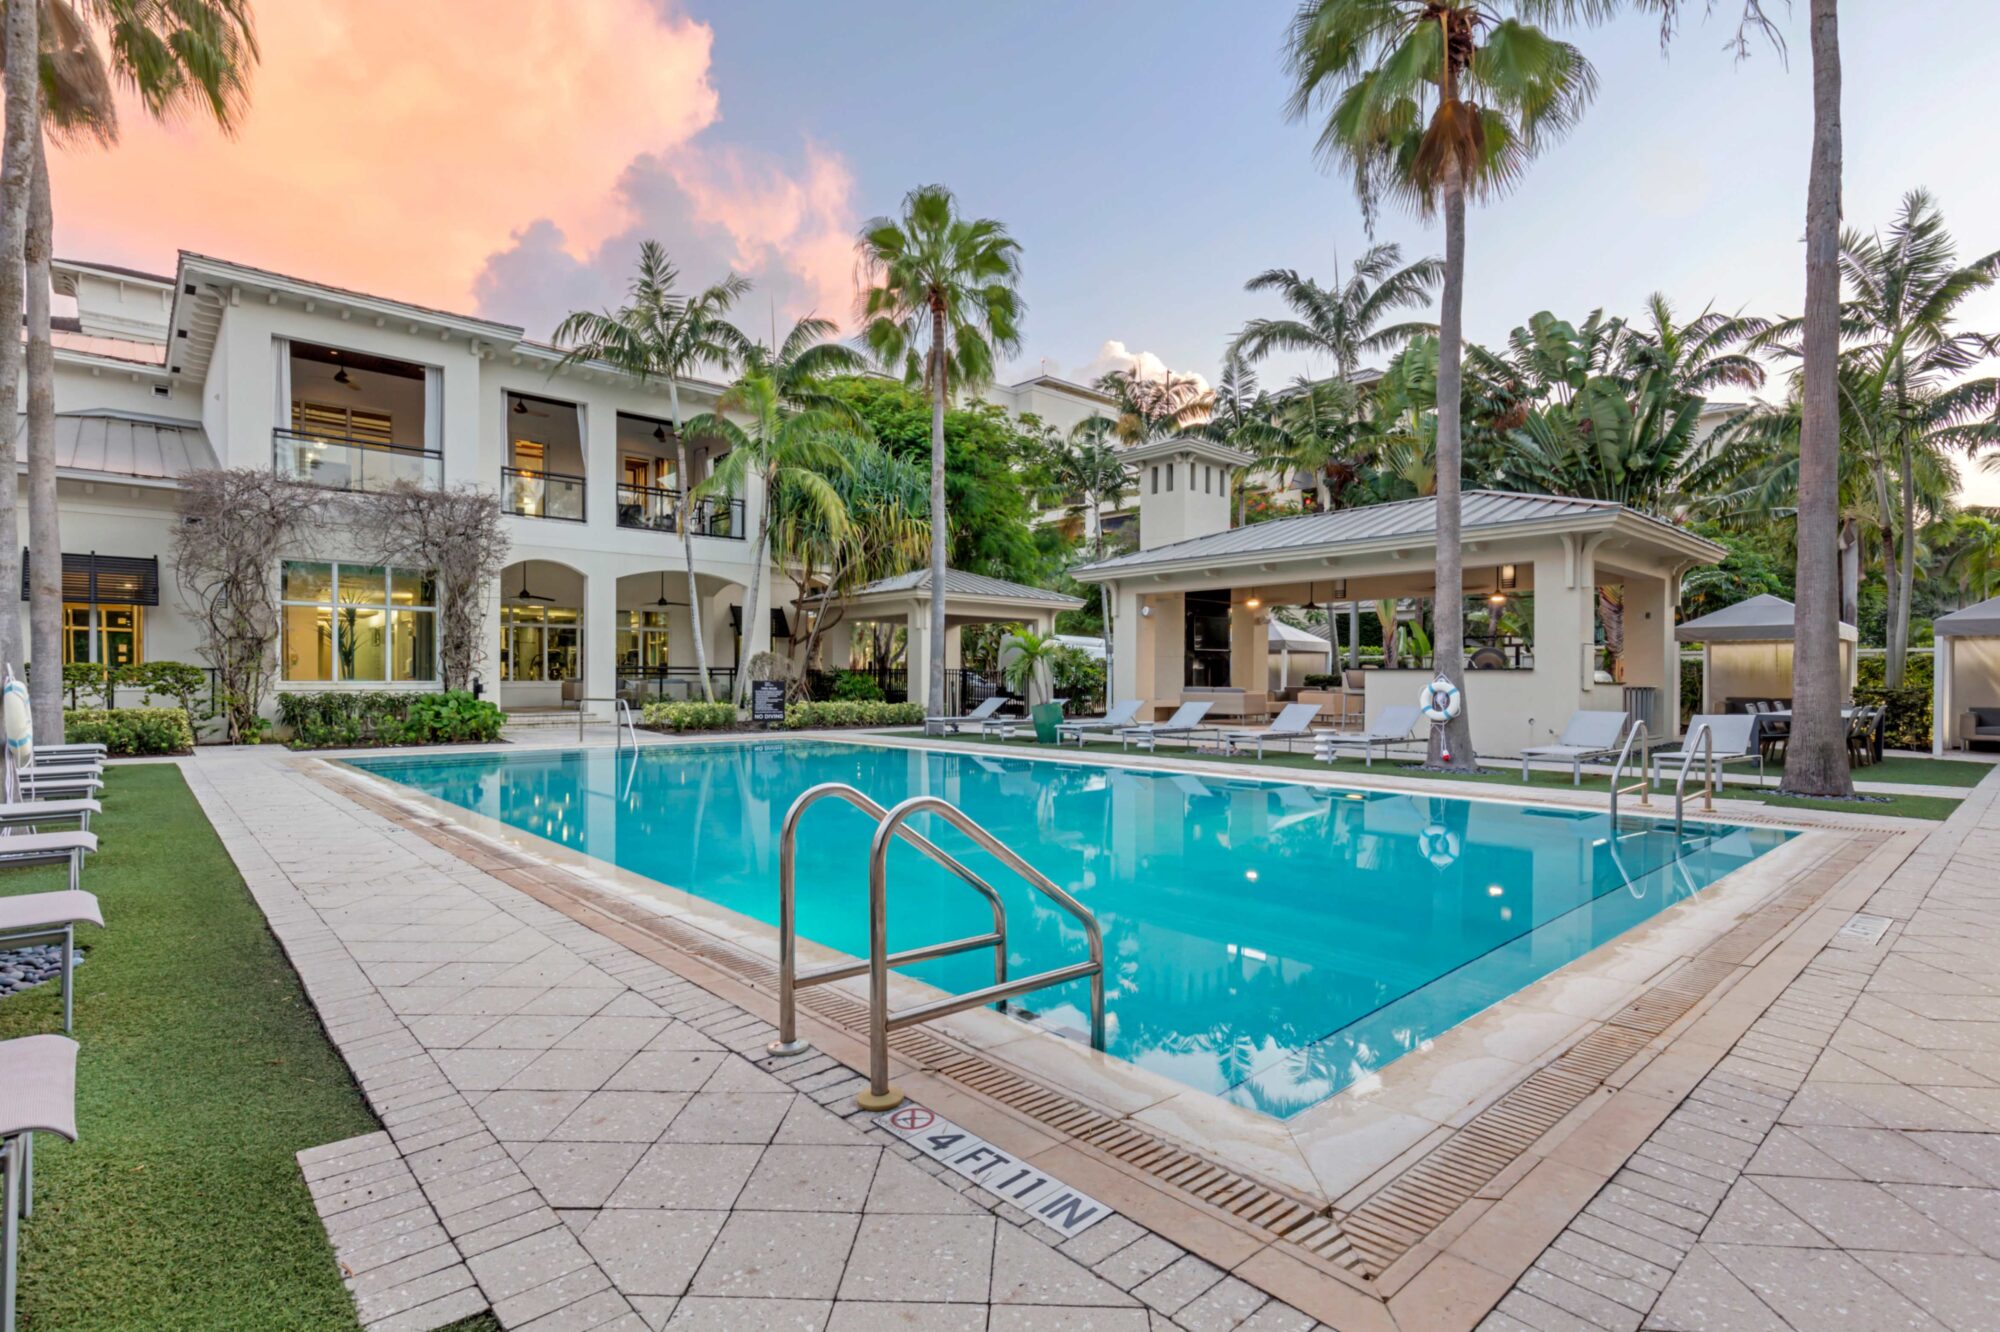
x=1941 y=664
x=917 y=653
x=600 y=640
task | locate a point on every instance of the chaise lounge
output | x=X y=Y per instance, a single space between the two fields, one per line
x=1395 y=726
x=1589 y=736
x=953 y=725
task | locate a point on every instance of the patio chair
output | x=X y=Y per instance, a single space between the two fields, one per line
x=1395 y=726
x=1589 y=735
x=1185 y=724
x=52 y=786
x=57 y=848
x=1732 y=736
x=31 y=919
x=1293 y=723
x=1113 y=718
x=37 y=1095
x=953 y=725
x=34 y=813
x=1861 y=737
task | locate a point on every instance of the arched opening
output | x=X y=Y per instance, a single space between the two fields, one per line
x=653 y=642
x=542 y=635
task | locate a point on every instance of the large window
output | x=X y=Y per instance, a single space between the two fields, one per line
x=359 y=623
x=541 y=643
x=642 y=640
x=110 y=635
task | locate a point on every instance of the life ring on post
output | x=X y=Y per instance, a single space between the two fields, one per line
x=1440 y=700
x=18 y=723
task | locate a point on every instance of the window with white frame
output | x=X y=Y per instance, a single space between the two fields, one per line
x=357 y=623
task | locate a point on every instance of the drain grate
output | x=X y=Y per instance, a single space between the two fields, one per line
x=1362 y=1241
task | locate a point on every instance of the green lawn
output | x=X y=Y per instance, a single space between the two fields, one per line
x=203 y=1070
x=1502 y=773
x=1907 y=770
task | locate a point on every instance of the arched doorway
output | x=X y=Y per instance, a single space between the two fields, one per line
x=653 y=645
x=542 y=639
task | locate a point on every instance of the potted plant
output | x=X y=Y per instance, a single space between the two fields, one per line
x=1026 y=662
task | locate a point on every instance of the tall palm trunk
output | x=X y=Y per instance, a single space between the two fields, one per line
x=686 y=484
x=1816 y=755
x=17 y=166
x=1903 y=588
x=1850 y=572
x=1454 y=738
x=1104 y=604
x=939 y=520
x=45 y=692
x=761 y=555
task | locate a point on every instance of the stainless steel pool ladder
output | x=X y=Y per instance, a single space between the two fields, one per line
x=621 y=717
x=891 y=824
x=1637 y=735
x=1706 y=739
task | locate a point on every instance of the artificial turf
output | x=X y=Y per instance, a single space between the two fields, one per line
x=1913 y=770
x=203 y=1069
x=1509 y=774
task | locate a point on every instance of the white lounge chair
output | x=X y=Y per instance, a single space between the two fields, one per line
x=1733 y=737
x=21 y=850
x=34 y=813
x=1120 y=714
x=51 y=786
x=952 y=725
x=1294 y=722
x=42 y=918
x=37 y=1095
x=1589 y=735
x=1393 y=726
x=1185 y=723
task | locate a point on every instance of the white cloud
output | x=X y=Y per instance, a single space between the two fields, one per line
x=1115 y=355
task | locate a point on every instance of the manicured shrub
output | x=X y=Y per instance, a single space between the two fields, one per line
x=344 y=718
x=154 y=680
x=130 y=731
x=1906 y=721
x=855 y=687
x=812 y=716
x=690 y=716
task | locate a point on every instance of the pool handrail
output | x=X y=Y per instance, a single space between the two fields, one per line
x=791 y=979
x=1705 y=739
x=1636 y=735
x=880 y=1094
x=621 y=716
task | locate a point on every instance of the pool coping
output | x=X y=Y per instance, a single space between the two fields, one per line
x=1520 y=1146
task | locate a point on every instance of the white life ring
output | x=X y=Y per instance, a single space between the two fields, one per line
x=1439 y=845
x=1440 y=700
x=18 y=722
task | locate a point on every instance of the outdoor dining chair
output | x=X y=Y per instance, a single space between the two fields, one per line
x=37 y=1095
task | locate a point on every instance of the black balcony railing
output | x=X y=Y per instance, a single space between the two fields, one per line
x=542 y=494
x=654 y=509
x=340 y=463
x=639 y=685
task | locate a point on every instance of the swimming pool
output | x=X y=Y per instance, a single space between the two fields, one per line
x=1267 y=942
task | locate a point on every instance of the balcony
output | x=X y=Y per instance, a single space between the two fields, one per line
x=652 y=509
x=344 y=463
x=533 y=494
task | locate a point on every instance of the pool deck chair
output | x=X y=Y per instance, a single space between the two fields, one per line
x=1589 y=735
x=37 y=1095
x=35 y=813
x=1733 y=736
x=952 y=725
x=31 y=919
x=1185 y=724
x=1113 y=718
x=1294 y=722
x=90 y=749
x=19 y=850
x=1394 y=726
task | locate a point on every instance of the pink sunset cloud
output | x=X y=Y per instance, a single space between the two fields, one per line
x=487 y=154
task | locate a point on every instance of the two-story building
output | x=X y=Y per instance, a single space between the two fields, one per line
x=224 y=365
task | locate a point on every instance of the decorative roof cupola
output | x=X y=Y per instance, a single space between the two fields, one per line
x=1184 y=488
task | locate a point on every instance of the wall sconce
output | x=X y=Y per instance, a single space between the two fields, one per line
x=1145 y=612
x=1509 y=579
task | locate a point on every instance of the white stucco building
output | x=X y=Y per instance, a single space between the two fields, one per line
x=221 y=364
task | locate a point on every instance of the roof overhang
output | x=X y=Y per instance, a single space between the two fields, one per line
x=961 y=604
x=1185 y=446
x=1979 y=620
x=1681 y=548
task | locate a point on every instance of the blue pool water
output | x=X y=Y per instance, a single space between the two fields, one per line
x=1269 y=943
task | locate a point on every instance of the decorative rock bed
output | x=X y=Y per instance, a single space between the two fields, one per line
x=25 y=968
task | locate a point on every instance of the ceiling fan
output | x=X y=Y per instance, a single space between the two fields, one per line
x=521 y=408
x=663 y=602
x=524 y=594
x=345 y=380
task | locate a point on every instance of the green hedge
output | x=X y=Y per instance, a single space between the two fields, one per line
x=689 y=716
x=1906 y=721
x=810 y=716
x=349 y=718
x=130 y=731
x=856 y=687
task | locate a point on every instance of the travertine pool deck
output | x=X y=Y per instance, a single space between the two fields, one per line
x=594 y=1125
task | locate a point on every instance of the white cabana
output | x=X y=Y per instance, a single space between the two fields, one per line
x=1295 y=653
x=1746 y=652
x=1965 y=674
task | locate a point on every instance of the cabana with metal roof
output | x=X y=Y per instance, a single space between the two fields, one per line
x=1965 y=675
x=905 y=600
x=1189 y=614
x=1746 y=653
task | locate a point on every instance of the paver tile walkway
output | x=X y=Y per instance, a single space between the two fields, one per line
x=605 y=1145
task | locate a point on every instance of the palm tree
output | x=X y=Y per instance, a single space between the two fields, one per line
x=797 y=438
x=941 y=303
x=1152 y=408
x=662 y=334
x=1088 y=466
x=1343 y=324
x=17 y=172
x=1427 y=102
x=181 y=60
